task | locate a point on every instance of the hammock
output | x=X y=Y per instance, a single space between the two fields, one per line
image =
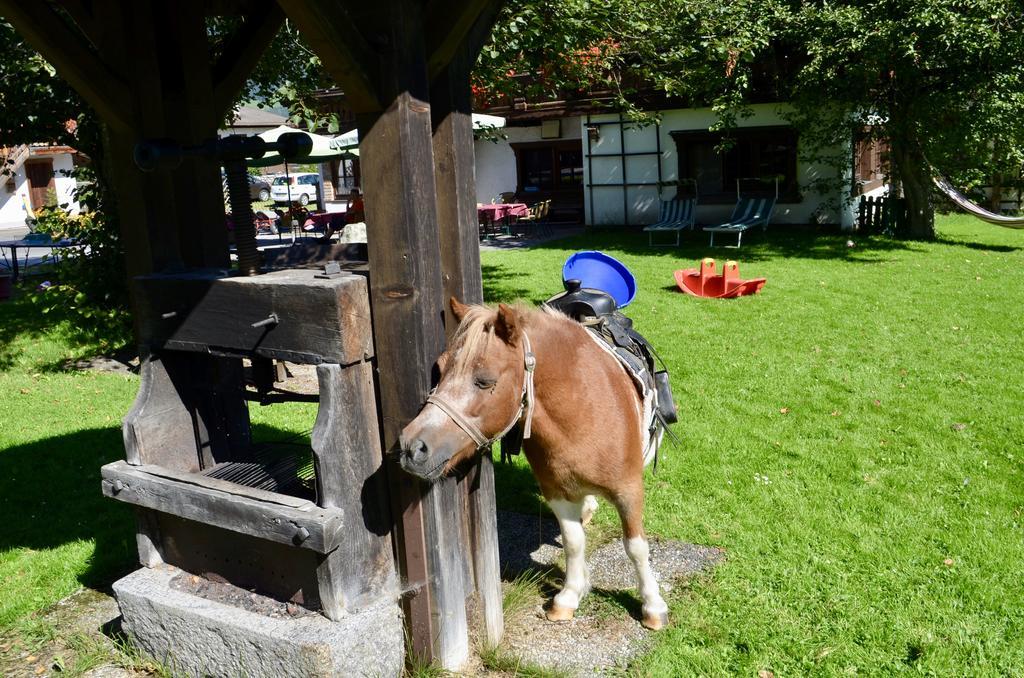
x=966 y=205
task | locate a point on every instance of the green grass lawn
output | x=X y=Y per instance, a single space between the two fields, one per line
x=852 y=438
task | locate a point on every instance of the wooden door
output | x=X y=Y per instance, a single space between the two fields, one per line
x=40 y=181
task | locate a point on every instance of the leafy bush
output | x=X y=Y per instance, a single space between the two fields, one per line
x=90 y=286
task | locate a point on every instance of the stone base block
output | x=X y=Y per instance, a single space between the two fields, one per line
x=194 y=636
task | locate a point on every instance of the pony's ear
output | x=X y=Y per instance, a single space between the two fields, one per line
x=442 y=363
x=459 y=310
x=506 y=325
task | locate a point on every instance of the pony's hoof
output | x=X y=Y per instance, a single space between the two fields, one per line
x=656 y=621
x=559 y=614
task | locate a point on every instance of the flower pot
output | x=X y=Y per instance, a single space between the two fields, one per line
x=5 y=286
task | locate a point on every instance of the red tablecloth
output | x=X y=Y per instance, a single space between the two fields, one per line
x=496 y=212
x=320 y=218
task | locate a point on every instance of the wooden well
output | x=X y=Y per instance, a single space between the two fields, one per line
x=213 y=503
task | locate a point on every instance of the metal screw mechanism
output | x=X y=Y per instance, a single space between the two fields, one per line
x=242 y=217
x=232 y=151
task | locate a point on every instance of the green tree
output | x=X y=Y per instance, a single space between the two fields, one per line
x=35 y=104
x=942 y=80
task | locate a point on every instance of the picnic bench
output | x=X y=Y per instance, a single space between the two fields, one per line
x=28 y=243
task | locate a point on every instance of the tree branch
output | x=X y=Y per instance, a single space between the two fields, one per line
x=348 y=57
x=243 y=51
x=46 y=31
x=450 y=23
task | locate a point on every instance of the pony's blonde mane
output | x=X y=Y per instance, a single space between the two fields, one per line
x=477 y=327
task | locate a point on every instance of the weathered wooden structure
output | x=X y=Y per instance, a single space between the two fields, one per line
x=146 y=69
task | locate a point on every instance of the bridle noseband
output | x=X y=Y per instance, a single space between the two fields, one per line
x=525 y=411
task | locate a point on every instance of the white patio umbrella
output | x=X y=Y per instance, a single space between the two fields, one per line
x=324 y=148
x=349 y=141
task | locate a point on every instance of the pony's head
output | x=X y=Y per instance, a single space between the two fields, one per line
x=482 y=377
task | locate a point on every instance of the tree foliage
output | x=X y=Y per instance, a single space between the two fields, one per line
x=287 y=76
x=35 y=103
x=942 y=80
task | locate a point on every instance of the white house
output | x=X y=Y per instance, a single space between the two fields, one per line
x=34 y=176
x=608 y=171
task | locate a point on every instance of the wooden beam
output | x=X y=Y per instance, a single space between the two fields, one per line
x=397 y=162
x=448 y=24
x=211 y=311
x=243 y=51
x=47 y=32
x=81 y=11
x=455 y=182
x=267 y=515
x=193 y=117
x=347 y=55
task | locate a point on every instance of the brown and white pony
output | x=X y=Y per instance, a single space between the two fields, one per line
x=583 y=421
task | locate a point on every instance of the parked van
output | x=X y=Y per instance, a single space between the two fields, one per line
x=303 y=188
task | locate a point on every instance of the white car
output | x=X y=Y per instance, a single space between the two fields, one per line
x=303 y=188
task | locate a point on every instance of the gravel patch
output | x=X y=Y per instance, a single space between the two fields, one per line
x=228 y=594
x=602 y=638
x=128 y=365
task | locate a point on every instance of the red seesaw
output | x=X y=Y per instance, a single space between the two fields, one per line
x=702 y=282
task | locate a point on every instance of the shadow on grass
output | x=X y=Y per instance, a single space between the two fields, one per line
x=50 y=495
x=19 y=318
x=22 y=319
x=496 y=284
x=778 y=242
x=980 y=246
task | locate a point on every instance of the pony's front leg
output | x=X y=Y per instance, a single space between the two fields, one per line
x=574 y=542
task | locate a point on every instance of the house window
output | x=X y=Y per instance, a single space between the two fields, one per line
x=764 y=153
x=546 y=167
x=570 y=167
x=535 y=169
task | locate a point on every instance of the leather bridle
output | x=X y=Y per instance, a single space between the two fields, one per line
x=525 y=411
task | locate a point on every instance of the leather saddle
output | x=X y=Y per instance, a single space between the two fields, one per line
x=597 y=311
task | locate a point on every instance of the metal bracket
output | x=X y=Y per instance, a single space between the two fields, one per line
x=332 y=269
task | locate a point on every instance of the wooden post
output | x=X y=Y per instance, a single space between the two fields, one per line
x=382 y=56
x=406 y=294
x=455 y=181
x=346 y=445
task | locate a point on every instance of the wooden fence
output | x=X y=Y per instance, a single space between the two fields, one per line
x=883 y=214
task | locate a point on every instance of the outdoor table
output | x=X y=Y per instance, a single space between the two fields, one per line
x=321 y=219
x=496 y=211
x=501 y=212
x=27 y=245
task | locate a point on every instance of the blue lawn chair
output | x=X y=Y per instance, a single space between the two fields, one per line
x=676 y=215
x=749 y=212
